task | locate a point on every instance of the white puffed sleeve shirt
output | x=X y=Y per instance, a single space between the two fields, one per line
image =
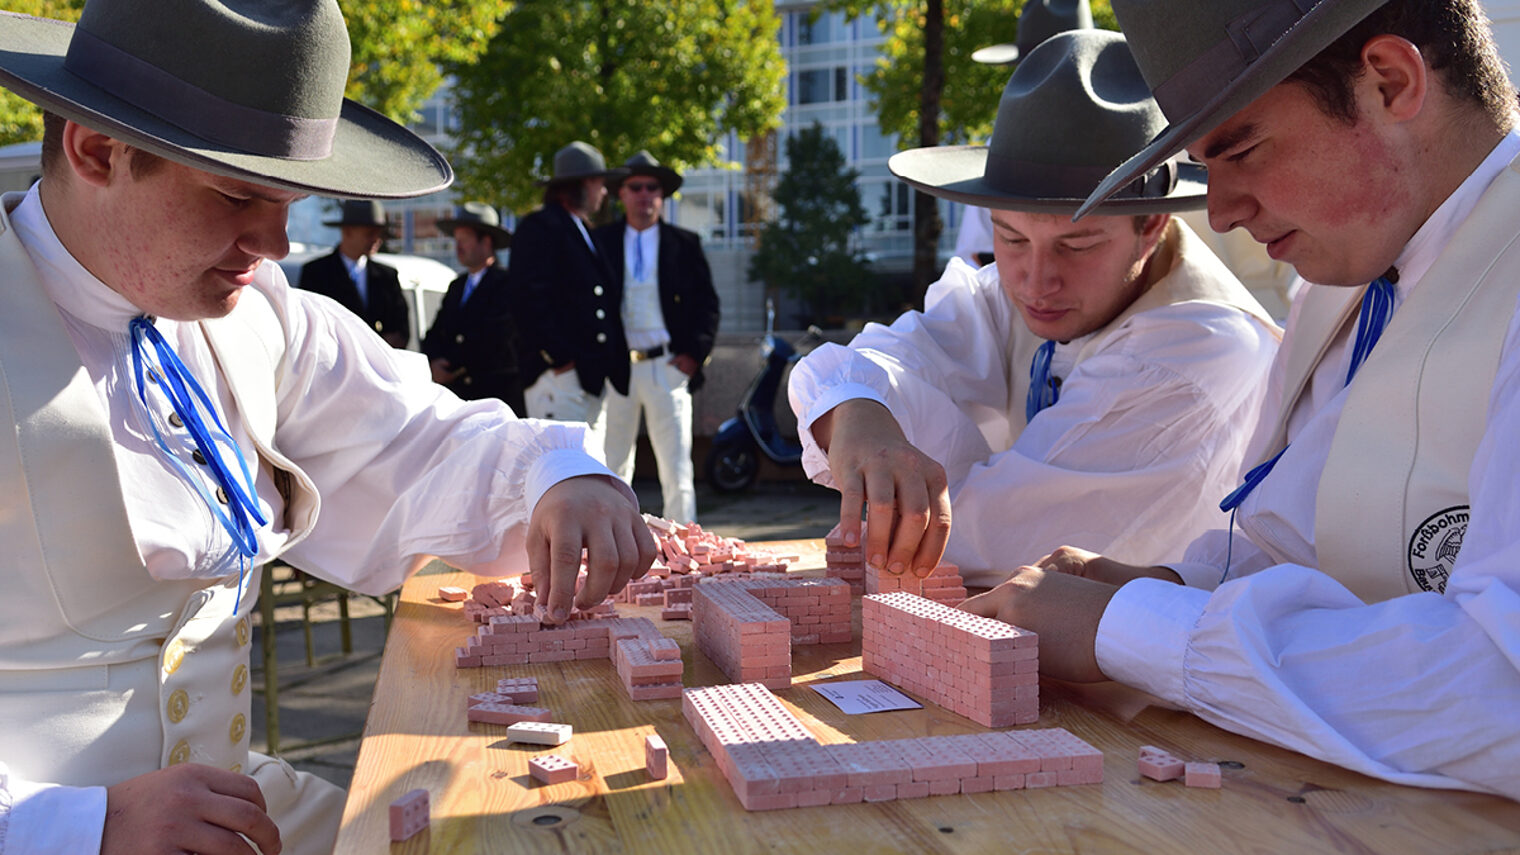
x=1148 y=433
x=405 y=470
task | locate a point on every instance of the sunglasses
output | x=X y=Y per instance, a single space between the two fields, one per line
x=642 y=186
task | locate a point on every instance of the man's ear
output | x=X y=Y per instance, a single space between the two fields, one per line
x=1394 y=76
x=92 y=156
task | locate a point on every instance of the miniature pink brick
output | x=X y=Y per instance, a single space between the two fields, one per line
x=656 y=757
x=553 y=769
x=1158 y=765
x=452 y=594
x=409 y=815
x=664 y=648
x=493 y=713
x=679 y=611
x=1203 y=775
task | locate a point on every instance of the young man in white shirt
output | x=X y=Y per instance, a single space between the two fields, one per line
x=1153 y=356
x=180 y=416
x=1367 y=609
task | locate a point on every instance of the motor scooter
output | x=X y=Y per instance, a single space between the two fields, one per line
x=733 y=463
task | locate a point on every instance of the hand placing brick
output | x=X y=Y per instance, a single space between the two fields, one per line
x=553 y=769
x=409 y=814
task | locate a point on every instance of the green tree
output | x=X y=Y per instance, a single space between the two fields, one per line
x=397 y=47
x=926 y=89
x=807 y=250
x=622 y=75
x=20 y=121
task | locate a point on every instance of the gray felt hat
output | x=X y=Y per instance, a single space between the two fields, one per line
x=581 y=160
x=360 y=212
x=243 y=88
x=480 y=216
x=1207 y=59
x=1074 y=108
x=1038 y=21
x=644 y=163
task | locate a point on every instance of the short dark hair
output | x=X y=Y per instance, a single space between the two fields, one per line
x=142 y=163
x=571 y=193
x=1454 y=37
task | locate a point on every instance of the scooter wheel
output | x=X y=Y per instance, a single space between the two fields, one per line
x=732 y=467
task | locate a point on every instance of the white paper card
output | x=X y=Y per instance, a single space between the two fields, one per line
x=854 y=697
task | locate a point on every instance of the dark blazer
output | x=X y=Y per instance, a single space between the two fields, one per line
x=387 y=312
x=480 y=336
x=687 y=298
x=568 y=302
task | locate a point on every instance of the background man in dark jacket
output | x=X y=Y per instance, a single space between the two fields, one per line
x=572 y=339
x=363 y=285
x=473 y=342
x=669 y=314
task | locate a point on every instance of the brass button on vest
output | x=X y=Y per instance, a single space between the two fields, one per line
x=178 y=706
x=173 y=656
x=242 y=632
x=238 y=728
x=239 y=679
x=180 y=754
x=176 y=421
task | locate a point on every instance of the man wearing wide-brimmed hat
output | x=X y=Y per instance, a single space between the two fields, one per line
x=670 y=319
x=180 y=416
x=350 y=275
x=473 y=345
x=1101 y=378
x=573 y=341
x=1365 y=611
x=1038 y=21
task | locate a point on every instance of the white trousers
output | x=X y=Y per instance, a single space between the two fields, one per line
x=560 y=397
x=658 y=389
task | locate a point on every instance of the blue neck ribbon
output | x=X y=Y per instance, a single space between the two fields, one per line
x=242 y=515
x=1372 y=319
x=1044 y=390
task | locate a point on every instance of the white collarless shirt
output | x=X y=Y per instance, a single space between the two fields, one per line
x=643 y=318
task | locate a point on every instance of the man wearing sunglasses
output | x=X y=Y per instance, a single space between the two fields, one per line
x=669 y=313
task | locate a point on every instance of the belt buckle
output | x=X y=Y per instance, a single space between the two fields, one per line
x=636 y=356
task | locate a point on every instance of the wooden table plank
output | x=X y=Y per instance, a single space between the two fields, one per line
x=484 y=802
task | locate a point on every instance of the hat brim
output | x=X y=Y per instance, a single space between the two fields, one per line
x=388 y=228
x=372 y=156
x=1003 y=54
x=670 y=180
x=956 y=173
x=1313 y=33
x=502 y=237
x=617 y=173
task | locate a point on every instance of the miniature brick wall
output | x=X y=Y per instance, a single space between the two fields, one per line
x=636 y=647
x=772 y=761
x=983 y=669
x=747 y=625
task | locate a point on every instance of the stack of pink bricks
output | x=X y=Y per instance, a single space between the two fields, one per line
x=846 y=562
x=983 y=669
x=747 y=625
x=507 y=705
x=507 y=597
x=649 y=664
x=686 y=548
x=772 y=762
x=942 y=585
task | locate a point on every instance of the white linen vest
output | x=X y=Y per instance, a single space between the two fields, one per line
x=1392 y=503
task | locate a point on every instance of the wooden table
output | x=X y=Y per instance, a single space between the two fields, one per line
x=484 y=802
